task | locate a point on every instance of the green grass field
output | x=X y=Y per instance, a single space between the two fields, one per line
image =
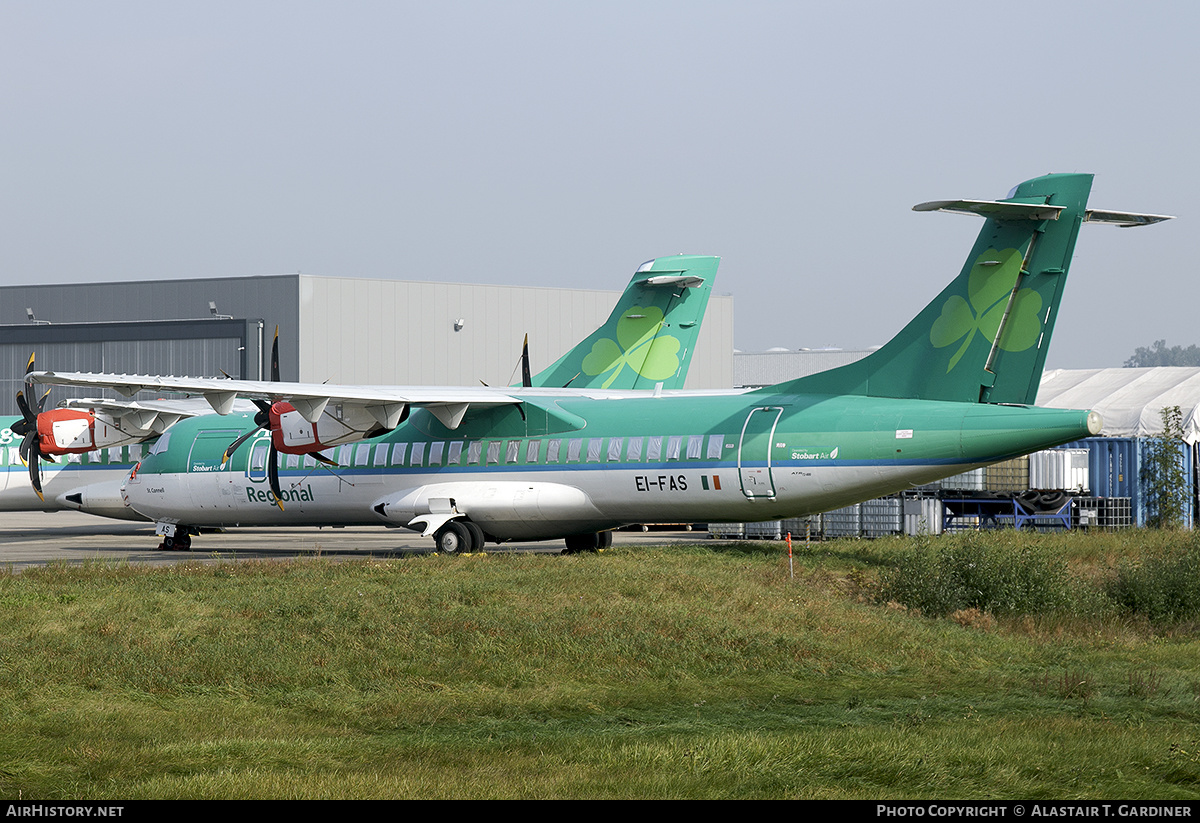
x=689 y=671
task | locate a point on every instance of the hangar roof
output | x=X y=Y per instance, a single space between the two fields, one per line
x=1129 y=400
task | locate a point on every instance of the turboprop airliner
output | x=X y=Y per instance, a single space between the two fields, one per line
x=952 y=391
x=654 y=326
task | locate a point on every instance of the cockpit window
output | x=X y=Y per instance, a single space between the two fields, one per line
x=161 y=444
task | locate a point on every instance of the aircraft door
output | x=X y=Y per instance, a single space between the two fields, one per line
x=754 y=452
x=210 y=482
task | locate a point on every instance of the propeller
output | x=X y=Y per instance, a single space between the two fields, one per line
x=262 y=422
x=27 y=429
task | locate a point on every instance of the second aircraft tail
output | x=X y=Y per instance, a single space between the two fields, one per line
x=651 y=334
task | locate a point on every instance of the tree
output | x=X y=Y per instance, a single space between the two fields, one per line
x=1163 y=475
x=1159 y=355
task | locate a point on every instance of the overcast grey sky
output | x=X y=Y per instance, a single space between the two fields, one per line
x=563 y=143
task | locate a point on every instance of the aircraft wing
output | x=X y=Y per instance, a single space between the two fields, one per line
x=386 y=404
x=152 y=417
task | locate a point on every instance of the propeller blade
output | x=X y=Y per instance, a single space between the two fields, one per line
x=273 y=476
x=28 y=421
x=320 y=458
x=234 y=445
x=275 y=378
x=526 y=378
x=35 y=472
x=28 y=369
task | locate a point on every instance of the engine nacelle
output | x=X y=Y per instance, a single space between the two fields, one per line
x=75 y=431
x=293 y=434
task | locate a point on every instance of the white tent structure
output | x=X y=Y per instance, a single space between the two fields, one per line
x=1130 y=400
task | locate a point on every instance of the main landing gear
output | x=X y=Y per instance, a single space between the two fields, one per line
x=459 y=536
x=594 y=542
x=181 y=541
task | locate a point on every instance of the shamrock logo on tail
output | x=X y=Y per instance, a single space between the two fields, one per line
x=991 y=281
x=636 y=331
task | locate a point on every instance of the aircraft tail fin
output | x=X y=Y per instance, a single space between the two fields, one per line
x=651 y=334
x=984 y=338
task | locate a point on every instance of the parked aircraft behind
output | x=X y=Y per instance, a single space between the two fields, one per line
x=647 y=341
x=952 y=391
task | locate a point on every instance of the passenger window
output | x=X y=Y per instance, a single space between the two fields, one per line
x=513 y=451
x=455 y=453
x=574 y=447
x=418 y=454
x=435 y=453
x=531 y=451
x=494 y=451
x=673 y=444
x=716 y=446
x=654 y=449
x=398 y=452
x=695 y=443
x=614 y=449
x=552 y=450
x=634 y=452
x=594 y=449
x=256 y=469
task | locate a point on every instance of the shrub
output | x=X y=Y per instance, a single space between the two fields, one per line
x=1001 y=573
x=1161 y=588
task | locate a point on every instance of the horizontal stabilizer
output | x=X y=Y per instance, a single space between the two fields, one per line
x=994 y=208
x=1005 y=210
x=675 y=280
x=1124 y=219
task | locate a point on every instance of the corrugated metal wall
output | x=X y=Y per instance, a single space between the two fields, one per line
x=344 y=330
x=397 y=332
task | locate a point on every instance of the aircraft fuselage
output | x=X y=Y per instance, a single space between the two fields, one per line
x=577 y=465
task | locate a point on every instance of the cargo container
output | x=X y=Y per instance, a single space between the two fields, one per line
x=803 y=528
x=765 y=530
x=1008 y=475
x=881 y=517
x=843 y=522
x=1063 y=469
x=922 y=515
x=1115 y=470
x=726 y=531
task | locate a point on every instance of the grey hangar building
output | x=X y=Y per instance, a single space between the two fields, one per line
x=346 y=330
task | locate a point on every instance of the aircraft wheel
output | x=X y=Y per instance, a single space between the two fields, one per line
x=477 y=538
x=181 y=542
x=588 y=542
x=453 y=538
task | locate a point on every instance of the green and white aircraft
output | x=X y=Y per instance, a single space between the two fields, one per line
x=78 y=457
x=954 y=390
